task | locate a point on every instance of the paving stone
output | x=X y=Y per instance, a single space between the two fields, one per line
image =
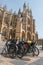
x=38 y=62
x=18 y=62
x=1 y=61
x=6 y=63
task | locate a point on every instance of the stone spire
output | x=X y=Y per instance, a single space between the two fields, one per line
x=24 y=6
x=4 y=7
x=30 y=11
x=10 y=11
x=19 y=11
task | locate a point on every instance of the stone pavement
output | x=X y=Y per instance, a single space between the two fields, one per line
x=26 y=60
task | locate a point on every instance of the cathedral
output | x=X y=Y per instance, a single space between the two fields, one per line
x=20 y=25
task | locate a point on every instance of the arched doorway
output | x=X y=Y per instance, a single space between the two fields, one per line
x=28 y=36
x=4 y=34
x=23 y=35
x=4 y=31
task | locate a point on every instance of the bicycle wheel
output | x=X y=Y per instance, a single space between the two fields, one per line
x=36 y=51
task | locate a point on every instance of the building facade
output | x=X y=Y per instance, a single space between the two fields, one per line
x=21 y=25
x=40 y=41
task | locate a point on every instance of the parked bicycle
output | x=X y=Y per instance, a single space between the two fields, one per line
x=12 y=49
x=30 y=47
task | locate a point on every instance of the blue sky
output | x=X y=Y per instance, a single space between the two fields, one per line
x=35 y=5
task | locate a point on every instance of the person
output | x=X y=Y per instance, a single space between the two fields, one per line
x=33 y=41
x=29 y=41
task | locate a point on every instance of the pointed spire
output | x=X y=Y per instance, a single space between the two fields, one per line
x=30 y=12
x=19 y=11
x=4 y=7
x=10 y=10
x=24 y=6
x=14 y=13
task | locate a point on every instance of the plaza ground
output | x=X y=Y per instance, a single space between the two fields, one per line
x=26 y=60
